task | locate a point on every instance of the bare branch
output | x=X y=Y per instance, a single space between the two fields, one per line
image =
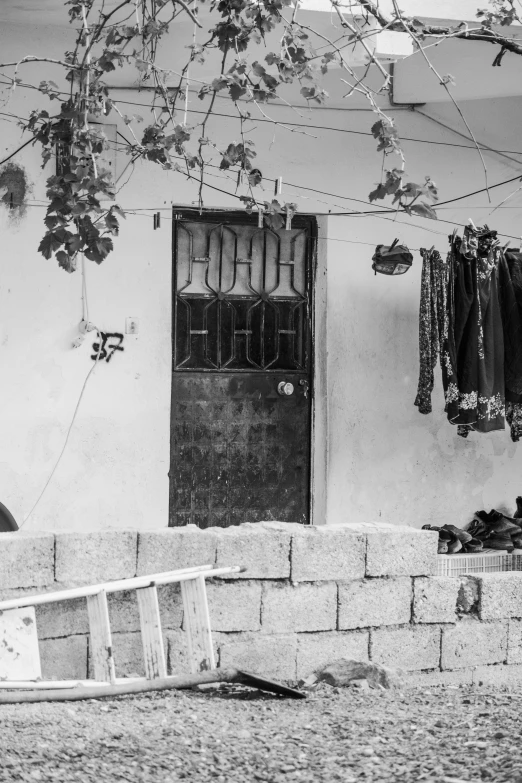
x=189 y=12
x=484 y=34
x=444 y=84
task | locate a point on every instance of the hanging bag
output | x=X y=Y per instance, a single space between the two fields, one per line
x=394 y=259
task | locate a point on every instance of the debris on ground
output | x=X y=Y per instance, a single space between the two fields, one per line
x=233 y=734
x=347 y=671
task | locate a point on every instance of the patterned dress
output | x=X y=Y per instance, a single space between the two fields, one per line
x=433 y=323
x=473 y=355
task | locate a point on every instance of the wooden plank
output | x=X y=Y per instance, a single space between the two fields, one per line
x=19 y=654
x=166 y=578
x=197 y=624
x=101 y=639
x=151 y=636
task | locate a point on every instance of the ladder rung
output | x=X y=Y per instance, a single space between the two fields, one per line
x=151 y=636
x=197 y=622
x=101 y=639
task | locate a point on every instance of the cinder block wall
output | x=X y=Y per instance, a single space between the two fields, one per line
x=308 y=596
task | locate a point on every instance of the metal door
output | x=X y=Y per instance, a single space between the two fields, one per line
x=240 y=438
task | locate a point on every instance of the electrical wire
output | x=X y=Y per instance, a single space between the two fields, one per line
x=62 y=452
x=29 y=141
x=391 y=109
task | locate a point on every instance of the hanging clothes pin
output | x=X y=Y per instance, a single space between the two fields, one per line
x=260 y=213
x=520 y=246
x=278 y=189
x=288 y=225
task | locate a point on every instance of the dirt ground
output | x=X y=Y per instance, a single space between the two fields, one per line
x=237 y=735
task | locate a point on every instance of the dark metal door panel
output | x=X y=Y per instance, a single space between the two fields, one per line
x=240 y=451
x=242 y=301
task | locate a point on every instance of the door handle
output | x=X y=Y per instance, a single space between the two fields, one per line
x=285 y=388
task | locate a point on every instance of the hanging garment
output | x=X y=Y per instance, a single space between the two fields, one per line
x=511 y=304
x=473 y=353
x=433 y=323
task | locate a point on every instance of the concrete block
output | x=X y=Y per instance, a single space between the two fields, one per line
x=263 y=550
x=124 y=614
x=327 y=553
x=128 y=654
x=374 y=602
x=468 y=598
x=500 y=594
x=472 y=643
x=26 y=560
x=438 y=678
x=316 y=650
x=64 y=619
x=271 y=656
x=234 y=606
x=64 y=659
x=304 y=607
x=402 y=551
x=514 y=654
x=178 y=661
x=175 y=547
x=497 y=674
x=97 y=556
x=435 y=599
x=177 y=655
x=409 y=647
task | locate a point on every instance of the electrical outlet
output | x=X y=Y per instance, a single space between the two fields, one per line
x=132 y=325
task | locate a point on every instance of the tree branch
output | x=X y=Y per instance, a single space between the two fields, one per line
x=485 y=34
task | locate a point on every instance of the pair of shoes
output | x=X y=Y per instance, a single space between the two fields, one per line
x=475 y=545
x=496 y=522
x=500 y=542
x=451 y=538
x=463 y=536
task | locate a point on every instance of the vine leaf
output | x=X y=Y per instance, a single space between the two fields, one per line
x=49 y=244
x=424 y=210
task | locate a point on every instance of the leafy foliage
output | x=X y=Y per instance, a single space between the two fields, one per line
x=82 y=216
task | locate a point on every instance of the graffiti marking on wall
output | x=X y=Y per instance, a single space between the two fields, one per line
x=110 y=343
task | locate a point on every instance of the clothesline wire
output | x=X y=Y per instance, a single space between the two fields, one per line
x=391 y=109
x=353 y=213
x=346 y=198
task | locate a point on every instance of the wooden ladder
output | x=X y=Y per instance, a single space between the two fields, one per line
x=19 y=652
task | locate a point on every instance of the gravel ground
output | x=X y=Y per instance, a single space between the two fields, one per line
x=236 y=735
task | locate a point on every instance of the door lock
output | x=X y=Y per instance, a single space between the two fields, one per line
x=285 y=388
x=305 y=386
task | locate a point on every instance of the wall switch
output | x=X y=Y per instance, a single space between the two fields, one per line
x=132 y=325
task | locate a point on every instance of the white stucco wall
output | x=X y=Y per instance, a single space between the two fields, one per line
x=385 y=460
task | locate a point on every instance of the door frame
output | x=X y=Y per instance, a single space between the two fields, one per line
x=318 y=350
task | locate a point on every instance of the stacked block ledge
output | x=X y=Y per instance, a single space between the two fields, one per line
x=308 y=596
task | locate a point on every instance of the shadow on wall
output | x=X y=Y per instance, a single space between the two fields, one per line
x=14 y=189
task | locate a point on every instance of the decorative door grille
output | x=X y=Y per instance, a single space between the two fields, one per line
x=242 y=297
